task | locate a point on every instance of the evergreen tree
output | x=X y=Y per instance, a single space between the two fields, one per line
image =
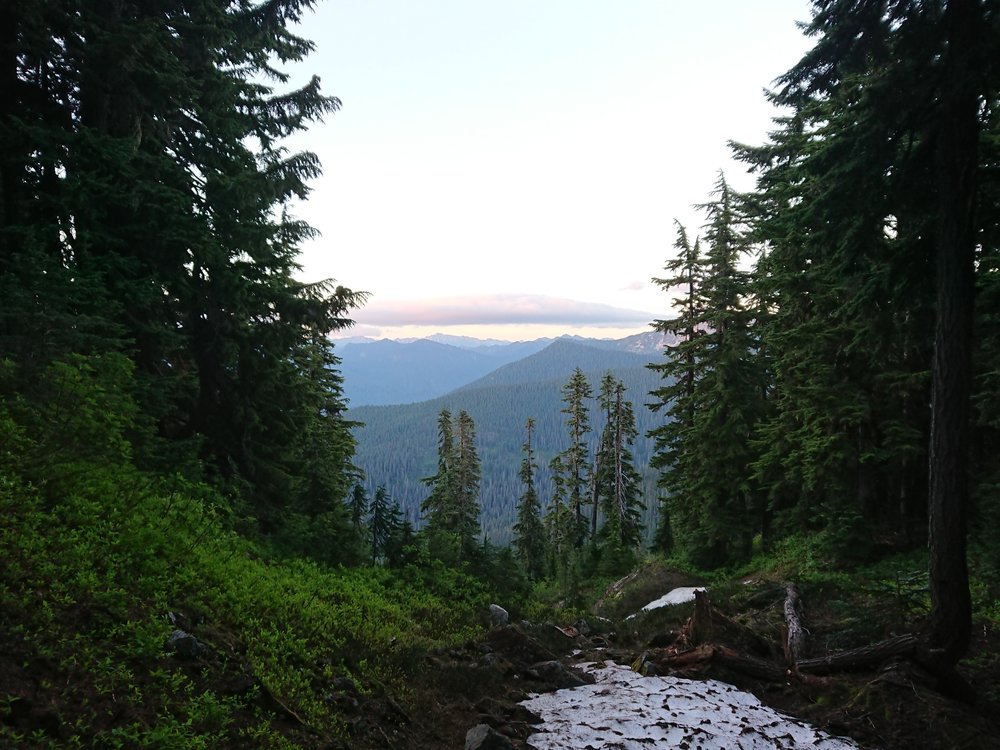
x=573 y=462
x=707 y=452
x=384 y=524
x=143 y=172
x=679 y=370
x=529 y=540
x=873 y=181
x=468 y=476
x=357 y=506
x=618 y=482
x=438 y=507
x=560 y=526
x=452 y=508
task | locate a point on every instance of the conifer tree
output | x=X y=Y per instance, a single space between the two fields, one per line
x=143 y=171
x=869 y=191
x=679 y=371
x=438 y=507
x=452 y=508
x=618 y=482
x=707 y=453
x=384 y=523
x=573 y=463
x=468 y=477
x=529 y=540
x=357 y=506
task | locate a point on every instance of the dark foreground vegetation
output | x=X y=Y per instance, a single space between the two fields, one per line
x=188 y=558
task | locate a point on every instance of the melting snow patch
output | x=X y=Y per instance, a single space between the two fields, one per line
x=625 y=711
x=677 y=596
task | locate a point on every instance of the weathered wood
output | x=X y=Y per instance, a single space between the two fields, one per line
x=795 y=634
x=700 y=658
x=716 y=640
x=857 y=659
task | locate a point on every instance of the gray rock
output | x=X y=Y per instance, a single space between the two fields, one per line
x=484 y=737
x=186 y=646
x=499 y=615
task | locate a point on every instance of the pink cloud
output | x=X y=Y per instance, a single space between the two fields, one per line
x=493 y=309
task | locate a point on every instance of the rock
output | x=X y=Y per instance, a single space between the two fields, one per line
x=558 y=674
x=583 y=627
x=499 y=615
x=484 y=737
x=186 y=646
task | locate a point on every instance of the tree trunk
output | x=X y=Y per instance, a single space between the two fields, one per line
x=949 y=626
x=795 y=634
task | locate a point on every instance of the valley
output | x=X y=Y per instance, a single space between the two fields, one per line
x=397 y=444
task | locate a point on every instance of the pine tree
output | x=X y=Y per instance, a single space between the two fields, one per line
x=877 y=168
x=452 y=508
x=384 y=523
x=679 y=371
x=438 y=507
x=468 y=476
x=143 y=170
x=707 y=452
x=618 y=482
x=573 y=462
x=529 y=540
x=357 y=506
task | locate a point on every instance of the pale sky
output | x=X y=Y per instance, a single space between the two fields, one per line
x=513 y=169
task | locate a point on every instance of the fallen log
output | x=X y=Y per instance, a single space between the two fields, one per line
x=864 y=657
x=702 y=657
x=712 y=639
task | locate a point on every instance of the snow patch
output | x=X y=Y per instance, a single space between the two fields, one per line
x=625 y=711
x=676 y=596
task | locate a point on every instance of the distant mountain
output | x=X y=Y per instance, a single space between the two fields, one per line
x=397 y=445
x=381 y=372
x=391 y=372
x=462 y=342
x=558 y=360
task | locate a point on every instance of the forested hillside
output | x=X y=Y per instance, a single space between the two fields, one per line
x=397 y=444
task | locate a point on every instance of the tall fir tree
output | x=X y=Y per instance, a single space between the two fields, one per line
x=618 y=482
x=384 y=523
x=574 y=464
x=678 y=370
x=452 y=507
x=707 y=452
x=529 y=532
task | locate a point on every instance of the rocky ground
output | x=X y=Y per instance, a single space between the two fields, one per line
x=472 y=696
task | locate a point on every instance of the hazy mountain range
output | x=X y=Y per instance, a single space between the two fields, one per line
x=397 y=444
x=406 y=371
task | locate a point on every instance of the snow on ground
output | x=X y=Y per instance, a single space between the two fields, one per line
x=625 y=711
x=676 y=596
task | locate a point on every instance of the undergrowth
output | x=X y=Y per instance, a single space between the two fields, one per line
x=93 y=583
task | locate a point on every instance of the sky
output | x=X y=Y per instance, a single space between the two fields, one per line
x=514 y=169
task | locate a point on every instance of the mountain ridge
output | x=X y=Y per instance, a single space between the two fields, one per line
x=389 y=371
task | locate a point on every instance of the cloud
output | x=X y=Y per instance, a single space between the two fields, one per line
x=496 y=309
x=634 y=286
